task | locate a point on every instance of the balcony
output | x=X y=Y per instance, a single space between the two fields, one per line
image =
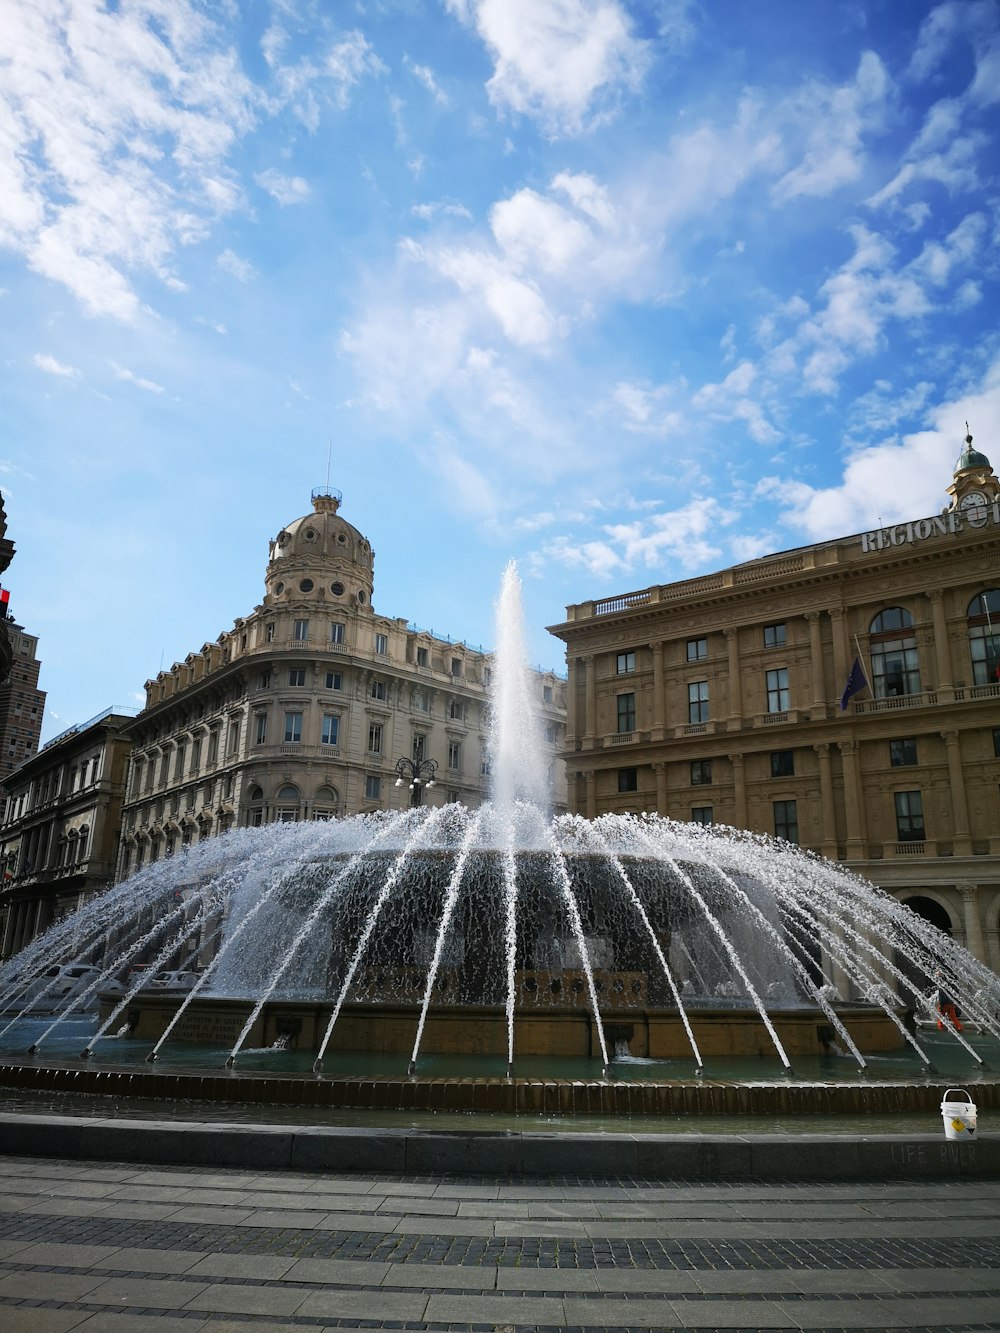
x=898 y=701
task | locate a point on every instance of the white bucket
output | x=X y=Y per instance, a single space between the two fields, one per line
x=959 y=1116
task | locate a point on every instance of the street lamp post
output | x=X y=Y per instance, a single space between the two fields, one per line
x=419 y=773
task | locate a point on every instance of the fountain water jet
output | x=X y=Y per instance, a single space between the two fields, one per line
x=505 y=933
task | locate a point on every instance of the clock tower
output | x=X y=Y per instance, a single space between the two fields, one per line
x=974 y=485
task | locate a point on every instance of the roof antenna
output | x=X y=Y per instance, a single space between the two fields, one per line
x=329 y=454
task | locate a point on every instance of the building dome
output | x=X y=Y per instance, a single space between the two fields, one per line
x=971 y=458
x=321 y=555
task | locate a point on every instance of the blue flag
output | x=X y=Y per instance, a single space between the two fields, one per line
x=856 y=682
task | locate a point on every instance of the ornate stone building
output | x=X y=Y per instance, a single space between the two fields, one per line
x=719 y=700
x=59 y=835
x=304 y=707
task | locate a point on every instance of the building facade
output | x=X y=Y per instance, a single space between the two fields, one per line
x=59 y=836
x=22 y=703
x=718 y=700
x=303 y=709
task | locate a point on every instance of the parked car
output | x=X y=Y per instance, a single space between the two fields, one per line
x=178 y=980
x=59 y=985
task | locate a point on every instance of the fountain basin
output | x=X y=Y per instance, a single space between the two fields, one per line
x=481 y=1030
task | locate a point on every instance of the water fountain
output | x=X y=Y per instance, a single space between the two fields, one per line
x=476 y=956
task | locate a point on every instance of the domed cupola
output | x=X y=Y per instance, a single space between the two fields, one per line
x=972 y=458
x=321 y=557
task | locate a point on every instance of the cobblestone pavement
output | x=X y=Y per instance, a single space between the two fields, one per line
x=132 y=1248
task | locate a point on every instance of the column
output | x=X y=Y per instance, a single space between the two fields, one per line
x=590 y=730
x=820 y=695
x=591 y=801
x=841 y=658
x=853 y=801
x=959 y=804
x=572 y=735
x=828 y=816
x=661 y=788
x=942 y=657
x=739 y=791
x=972 y=921
x=659 y=701
x=735 y=680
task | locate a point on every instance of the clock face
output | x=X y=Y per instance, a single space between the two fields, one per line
x=974 y=500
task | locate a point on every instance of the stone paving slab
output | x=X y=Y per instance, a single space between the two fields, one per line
x=25 y=1320
x=364 y=1305
x=129 y=1259
x=243 y=1299
x=267 y=1266
x=338 y=1271
x=49 y=1286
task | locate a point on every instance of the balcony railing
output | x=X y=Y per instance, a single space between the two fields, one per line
x=896 y=702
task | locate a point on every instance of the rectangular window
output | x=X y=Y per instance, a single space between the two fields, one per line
x=195 y=755
x=456 y=666
x=777 y=690
x=300 y=630
x=373 y=787
x=996 y=743
x=456 y=710
x=423 y=657
x=213 y=745
x=297 y=677
x=375 y=738
x=698 y=701
x=421 y=702
x=179 y=763
x=455 y=754
x=628 y=779
x=701 y=772
x=624 y=663
x=786 y=821
x=334 y=680
x=336 y=631
x=909 y=816
x=546 y=694
x=382 y=644
x=902 y=753
x=264 y=680
x=378 y=690
x=697 y=650
x=260 y=736
x=701 y=814
x=782 y=763
x=293 y=728
x=269 y=632
x=233 y=737
x=774 y=636
x=626 y=713
x=896 y=667
x=419 y=746
x=552 y=732
x=331 y=729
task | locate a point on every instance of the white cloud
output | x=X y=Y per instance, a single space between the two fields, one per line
x=440 y=208
x=349 y=61
x=240 y=269
x=894 y=480
x=836 y=120
x=123 y=373
x=425 y=75
x=562 y=61
x=53 y=367
x=285 y=189
x=103 y=178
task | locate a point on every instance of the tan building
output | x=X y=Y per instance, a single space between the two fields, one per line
x=59 y=836
x=718 y=700
x=304 y=708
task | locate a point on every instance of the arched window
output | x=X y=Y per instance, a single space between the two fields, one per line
x=287 y=802
x=893 y=645
x=326 y=803
x=984 y=637
x=255 y=812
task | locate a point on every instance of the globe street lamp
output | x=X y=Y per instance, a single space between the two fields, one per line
x=420 y=773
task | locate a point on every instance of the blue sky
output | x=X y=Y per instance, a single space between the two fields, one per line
x=628 y=291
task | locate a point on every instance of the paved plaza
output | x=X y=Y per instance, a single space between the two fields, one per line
x=130 y=1248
